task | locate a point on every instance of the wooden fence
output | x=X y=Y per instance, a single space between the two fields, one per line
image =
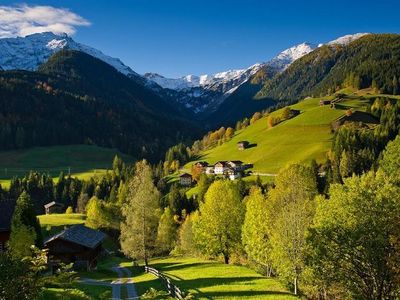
x=172 y=289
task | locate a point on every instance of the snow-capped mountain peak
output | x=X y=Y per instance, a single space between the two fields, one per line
x=347 y=39
x=288 y=56
x=28 y=53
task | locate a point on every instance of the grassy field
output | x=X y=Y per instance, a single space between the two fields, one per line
x=213 y=280
x=303 y=138
x=82 y=161
x=54 y=223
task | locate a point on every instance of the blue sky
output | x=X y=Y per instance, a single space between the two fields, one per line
x=179 y=37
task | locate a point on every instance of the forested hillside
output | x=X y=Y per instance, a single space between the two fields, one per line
x=371 y=61
x=75 y=98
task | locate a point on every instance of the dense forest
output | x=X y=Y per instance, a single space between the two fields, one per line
x=370 y=61
x=77 y=99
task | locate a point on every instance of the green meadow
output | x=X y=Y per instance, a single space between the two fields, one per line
x=300 y=139
x=82 y=161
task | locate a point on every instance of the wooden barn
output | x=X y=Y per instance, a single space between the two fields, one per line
x=186 y=179
x=242 y=145
x=54 y=208
x=78 y=244
x=6 y=210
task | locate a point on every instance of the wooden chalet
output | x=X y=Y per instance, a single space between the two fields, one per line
x=233 y=174
x=6 y=210
x=78 y=244
x=242 y=145
x=54 y=208
x=323 y=102
x=201 y=166
x=220 y=167
x=236 y=165
x=186 y=179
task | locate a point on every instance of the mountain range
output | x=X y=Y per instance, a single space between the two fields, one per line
x=55 y=91
x=199 y=96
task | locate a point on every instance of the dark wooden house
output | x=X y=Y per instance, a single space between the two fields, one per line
x=186 y=179
x=242 y=145
x=323 y=102
x=6 y=212
x=78 y=244
x=54 y=208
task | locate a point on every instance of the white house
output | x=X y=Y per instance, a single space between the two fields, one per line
x=209 y=170
x=221 y=167
x=233 y=174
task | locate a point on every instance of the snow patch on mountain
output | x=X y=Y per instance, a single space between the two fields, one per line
x=347 y=39
x=206 y=80
x=288 y=56
x=28 y=53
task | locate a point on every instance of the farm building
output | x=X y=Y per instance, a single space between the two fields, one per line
x=201 y=166
x=242 y=145
x=220 y=167
x=323 y=102
x=186 y=179
x=236 y=165
x=7 y=210
x=54 y=208
x=78 y=244
x=233 y=174
x=209 y=170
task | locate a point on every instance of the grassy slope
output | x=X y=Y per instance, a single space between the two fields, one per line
x=52 y=224
x=208 y=279
x=83 y=160
x=300 y=139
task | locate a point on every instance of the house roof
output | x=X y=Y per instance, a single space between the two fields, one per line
x=186 y=175
x=7 y=210
x=236 y=162
x=202 y=163
x=222 y=162
x=81 y=235
x=53 y=203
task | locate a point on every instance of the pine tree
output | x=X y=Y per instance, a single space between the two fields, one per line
x=25 y=227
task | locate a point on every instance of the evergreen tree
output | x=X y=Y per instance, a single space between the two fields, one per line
x=25 y=227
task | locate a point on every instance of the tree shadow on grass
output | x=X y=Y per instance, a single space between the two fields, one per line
x=166 y=267
x=253 y=294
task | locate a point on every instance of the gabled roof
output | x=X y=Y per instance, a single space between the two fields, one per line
x=53 y=203
x=222 y=162
x=186 y=175
x=81 y=235
x=6 y=212
x=202 y=163
x=236 y=162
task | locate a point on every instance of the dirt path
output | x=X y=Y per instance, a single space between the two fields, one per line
x=124 y=280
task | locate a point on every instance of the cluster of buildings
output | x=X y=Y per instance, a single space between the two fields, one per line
x=232 y=169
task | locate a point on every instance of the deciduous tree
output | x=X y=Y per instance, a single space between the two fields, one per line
x=141 y=214
x=217 y=229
